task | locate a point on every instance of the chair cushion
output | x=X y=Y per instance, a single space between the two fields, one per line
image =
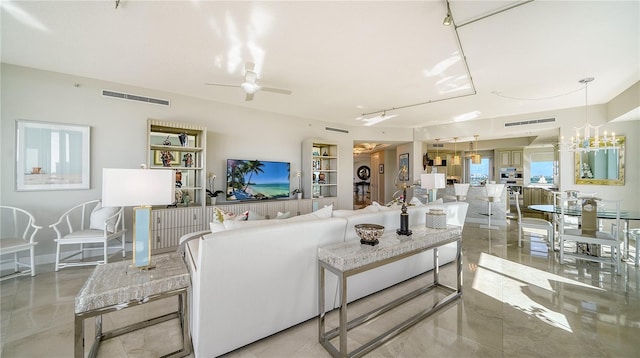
x=87 y=234
x=10 y=245
x=99 y=215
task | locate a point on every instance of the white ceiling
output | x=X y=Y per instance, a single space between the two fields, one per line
x=342 y=59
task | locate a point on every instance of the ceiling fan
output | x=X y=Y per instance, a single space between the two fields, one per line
x=250 y=84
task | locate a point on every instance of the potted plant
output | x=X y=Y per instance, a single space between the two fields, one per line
x=297 y=193
x=214 y=195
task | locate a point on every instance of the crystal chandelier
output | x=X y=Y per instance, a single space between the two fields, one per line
x=588 y=142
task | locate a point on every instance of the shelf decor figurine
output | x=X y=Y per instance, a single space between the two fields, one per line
x=404 y=215
x=183 y=139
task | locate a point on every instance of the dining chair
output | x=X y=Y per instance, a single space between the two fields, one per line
x=93 y=225
x=525 y=223
x=18 y=230
x=592 y=232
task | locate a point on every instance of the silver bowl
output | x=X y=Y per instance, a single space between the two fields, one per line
x=369 y=233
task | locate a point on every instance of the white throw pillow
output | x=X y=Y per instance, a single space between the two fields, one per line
x=346 y=213
x=216 y=227
x=415 y=202
x=243 y=224
x=281 y=215
x=220 y=216
x=99 y=215
x=252 y=215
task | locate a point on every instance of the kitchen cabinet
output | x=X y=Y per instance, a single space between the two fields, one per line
x=510 y=158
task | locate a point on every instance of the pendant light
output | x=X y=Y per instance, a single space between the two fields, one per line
x=438 y=159
x=456 y=157
x=475 y=157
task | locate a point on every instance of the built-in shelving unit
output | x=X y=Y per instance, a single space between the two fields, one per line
x=319 y=169
x=181 y=147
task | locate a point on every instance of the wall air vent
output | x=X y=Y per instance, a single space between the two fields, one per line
x=437 y=145
x=133 y=97
x=336 y=130
x=532 y=121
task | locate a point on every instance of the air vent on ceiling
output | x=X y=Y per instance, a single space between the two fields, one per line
x=336 y=130
x=133 y=97
x=532 y=121
x=438 y=145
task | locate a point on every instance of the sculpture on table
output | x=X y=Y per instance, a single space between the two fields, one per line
x=404 y=215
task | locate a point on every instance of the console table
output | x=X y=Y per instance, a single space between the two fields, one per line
x=116 y=286
x=350 y=258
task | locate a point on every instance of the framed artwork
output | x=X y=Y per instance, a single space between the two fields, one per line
x=52 y=156
x=381 y=169
x=403 y=167
x=166 y=158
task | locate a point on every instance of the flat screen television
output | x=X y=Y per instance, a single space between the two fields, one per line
x=257 y=179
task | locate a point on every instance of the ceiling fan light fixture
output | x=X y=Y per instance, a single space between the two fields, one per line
x=250 y=88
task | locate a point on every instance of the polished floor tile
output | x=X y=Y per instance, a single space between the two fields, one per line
x=516 y=302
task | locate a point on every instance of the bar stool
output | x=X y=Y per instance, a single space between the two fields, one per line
x=494 y=192
x=461 y=191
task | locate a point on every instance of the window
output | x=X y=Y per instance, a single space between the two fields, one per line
x=479 y=173
x=541 y=169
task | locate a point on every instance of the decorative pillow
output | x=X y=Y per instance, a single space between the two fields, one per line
x=281 y=215
x=252 y=215
x=324 y=213
x=215 y=227
x=99 y=215
x=415 y=202
x=220 y=216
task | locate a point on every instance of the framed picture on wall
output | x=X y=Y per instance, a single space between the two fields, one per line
x=381 y=169
x=166 y=158
x=403 y=167
x=52 y=156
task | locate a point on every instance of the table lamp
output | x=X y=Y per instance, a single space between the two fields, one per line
x=432 y=182
x=140 y=188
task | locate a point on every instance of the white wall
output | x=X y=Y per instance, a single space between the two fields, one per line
x=118 y=136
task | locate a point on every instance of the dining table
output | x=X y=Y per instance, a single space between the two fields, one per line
x=625 y=215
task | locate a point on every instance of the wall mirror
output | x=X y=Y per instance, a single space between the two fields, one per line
x=51 y=156
x=603 y=166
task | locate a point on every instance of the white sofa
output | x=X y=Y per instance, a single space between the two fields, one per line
x=249 y=283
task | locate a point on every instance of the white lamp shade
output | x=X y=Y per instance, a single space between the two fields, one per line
x=432 y=181
x=437 y=160
x=461 y=189
x=494 y=190
x=134 y=187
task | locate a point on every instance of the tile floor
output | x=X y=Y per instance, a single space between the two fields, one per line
x=517 y=302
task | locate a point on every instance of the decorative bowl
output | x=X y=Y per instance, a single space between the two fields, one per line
x=369 y=233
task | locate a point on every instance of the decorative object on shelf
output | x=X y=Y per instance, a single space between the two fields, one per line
x=188 y=160
x=321 y=178
x=364 y=172
x=178 y=179
x=143 y=188
x=432 y=182
x=166 y=158
x=166 y=141
x=183 y=139
x=403 y=167
x=456 y=158
x=298 y=191
x=36 y=170
x=325 y=154
x=369 y=233
x=381 y=169
x=404 y=215
x=186 y=199
x=587 y=142
x=438 y=159
x=436 y=219
x=475 y=157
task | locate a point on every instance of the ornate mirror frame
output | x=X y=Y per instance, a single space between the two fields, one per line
x=584 y=173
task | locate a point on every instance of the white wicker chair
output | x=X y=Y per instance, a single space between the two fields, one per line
x=89 y=224
x=18 y=233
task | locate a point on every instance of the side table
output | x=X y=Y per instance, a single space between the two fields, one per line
x=116 y=286
x=350 y=258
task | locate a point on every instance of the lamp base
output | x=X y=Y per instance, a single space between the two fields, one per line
x=402 y=232
x=131 y=269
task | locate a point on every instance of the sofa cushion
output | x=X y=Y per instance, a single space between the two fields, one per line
x=252 y=215
x=281 y=215
x=324 y=213
x=243 y=224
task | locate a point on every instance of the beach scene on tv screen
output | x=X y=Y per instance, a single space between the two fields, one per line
x=257 y=180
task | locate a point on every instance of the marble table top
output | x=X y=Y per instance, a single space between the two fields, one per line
x=346 y=256
x=116 y=283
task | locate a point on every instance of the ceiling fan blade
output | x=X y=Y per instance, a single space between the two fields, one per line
x=249 y=97
x=221 y=85
x=276 y=90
